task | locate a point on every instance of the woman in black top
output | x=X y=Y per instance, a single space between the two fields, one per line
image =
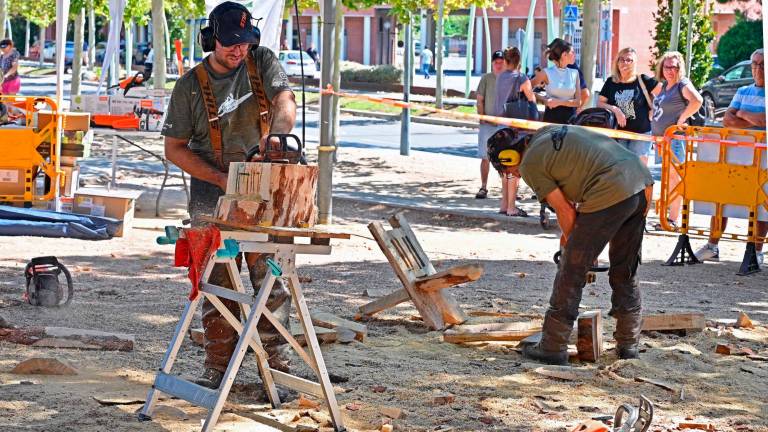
x=629 y=96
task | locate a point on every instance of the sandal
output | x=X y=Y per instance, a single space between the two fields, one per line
x=482 y=193
x=671 y=223
x=519 y=213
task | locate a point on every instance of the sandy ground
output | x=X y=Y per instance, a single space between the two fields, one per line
x=128 y=285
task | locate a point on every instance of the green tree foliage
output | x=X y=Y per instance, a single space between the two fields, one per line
x=178 y=12
x=739 y=41
x=702 y=32
x=40 y=12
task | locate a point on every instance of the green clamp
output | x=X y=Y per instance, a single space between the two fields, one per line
x=274 y=267
x=170 y=237
x=230 y=250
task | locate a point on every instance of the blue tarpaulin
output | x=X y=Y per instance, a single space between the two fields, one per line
x=16 y=221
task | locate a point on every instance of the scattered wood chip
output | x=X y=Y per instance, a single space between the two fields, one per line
x=657 y=383
x=321 y=418
x=723 y=349
x=743 y=321
x=562 y=373
x=443 y=398
x=43 y=366
x=305 y=279
x=757 y=357
x=393 y=412
x=521 y=275
x=386 y=428
x=378 y=389
x=354 y=406
x=305 y=402
x=486 y=420
x=698 y=426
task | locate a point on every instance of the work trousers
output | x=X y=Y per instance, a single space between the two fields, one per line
x=621 y=227
x=220 y=337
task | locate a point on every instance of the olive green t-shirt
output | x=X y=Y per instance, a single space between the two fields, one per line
x=487 y=89
x=591 y=169
x=187 y=118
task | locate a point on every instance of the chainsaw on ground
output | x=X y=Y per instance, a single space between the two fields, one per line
x=627 y=419
x=43 y=286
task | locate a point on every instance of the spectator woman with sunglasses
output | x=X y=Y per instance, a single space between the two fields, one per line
x=676 y=102
x=629 y=96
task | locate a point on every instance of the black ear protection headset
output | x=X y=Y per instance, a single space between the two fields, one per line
x=209 y=33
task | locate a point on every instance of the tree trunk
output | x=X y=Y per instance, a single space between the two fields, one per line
x=91 y=36
x=77 y=58
x=674 y=33
x=3 y=16
x=280 y=195
x=158 y=38
x=470 y=45
x=41 y=43
x=488 y=50
x=26 y=39
x=338 y=33
x=589 y=35
x=128 y=46
x=439 y=55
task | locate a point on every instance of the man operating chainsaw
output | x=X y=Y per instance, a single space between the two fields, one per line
x=601 y=193
x=220 y=110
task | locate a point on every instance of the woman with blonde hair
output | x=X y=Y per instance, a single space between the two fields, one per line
x=675 y=103
x=629 y=96
x=513 y=99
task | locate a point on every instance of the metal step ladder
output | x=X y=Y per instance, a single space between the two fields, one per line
x=254 y=307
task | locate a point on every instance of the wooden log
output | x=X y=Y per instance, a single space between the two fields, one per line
x=490 y=332
x=327 y=320
x=667 y=322
x=450 y=277
x=269 y=195
x=310 y=232
x=62 y=337
x=590 y=336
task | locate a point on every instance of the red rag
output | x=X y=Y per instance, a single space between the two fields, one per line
x=193 y=251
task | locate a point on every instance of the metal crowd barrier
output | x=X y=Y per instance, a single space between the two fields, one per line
x=724 y=174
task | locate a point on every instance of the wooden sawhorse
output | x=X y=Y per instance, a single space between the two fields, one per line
x=259 y=240
x=423 y=285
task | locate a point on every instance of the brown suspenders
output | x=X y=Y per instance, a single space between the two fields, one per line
x=209 y=99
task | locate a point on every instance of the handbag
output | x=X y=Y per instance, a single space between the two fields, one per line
x=519 y=107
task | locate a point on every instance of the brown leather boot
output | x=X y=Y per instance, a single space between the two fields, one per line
x=211 y=378
x=627 y=335
x=553 y=346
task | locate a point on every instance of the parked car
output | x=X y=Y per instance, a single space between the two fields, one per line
x=289 y=60
x=719 y=91
x=50 y=50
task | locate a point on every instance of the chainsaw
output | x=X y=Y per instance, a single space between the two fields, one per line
x=281 y=152
x=43 y=286
x=627 y=419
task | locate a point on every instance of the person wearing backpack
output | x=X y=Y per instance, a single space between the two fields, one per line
x=629 y=96
x=677 y=101
x=513 y=98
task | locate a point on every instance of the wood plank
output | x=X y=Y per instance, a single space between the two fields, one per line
x=429 y=311
x=313 y=232
x=61 y=337
x=382 y=303
x=451 y=312
x=324 y=335
x=330 y=321
x=590 y=336
x=490 y=332
x=450 y=277
x=679 y=321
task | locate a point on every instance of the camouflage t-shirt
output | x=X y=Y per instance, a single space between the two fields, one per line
x=187 y=118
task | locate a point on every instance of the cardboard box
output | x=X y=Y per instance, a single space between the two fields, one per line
x=118 y=204
x=69 y=181
x=73 y=121
x=12 y=181
x=90 y=103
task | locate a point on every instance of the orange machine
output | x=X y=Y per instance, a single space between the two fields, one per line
x=27 y=151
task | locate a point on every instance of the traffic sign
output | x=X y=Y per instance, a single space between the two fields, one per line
x=571 y=14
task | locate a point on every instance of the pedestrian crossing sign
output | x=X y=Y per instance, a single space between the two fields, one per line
x=571 y=14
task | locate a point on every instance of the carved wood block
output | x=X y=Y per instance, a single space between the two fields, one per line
x=270 y=195
x=590 y=336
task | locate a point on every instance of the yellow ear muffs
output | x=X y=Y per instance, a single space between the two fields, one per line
x=509 y=157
